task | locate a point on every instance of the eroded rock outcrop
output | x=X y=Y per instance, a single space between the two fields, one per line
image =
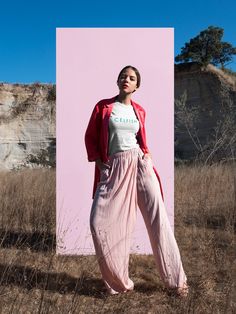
x=206 y=124
x=27 y=125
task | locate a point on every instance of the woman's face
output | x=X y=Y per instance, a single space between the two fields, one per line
x=127 y=82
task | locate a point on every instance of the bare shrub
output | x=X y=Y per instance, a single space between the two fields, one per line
x=220 y=144
x=51 y=93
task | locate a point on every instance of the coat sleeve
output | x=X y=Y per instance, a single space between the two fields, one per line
x=92 y=135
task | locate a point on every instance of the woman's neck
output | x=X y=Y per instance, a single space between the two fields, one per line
x=124 y=99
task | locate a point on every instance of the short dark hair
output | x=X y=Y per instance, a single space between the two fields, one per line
x=136 y=72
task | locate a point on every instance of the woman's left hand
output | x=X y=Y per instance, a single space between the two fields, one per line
x=147 y=155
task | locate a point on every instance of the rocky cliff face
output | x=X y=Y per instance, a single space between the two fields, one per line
x=27 y=125
x=205 y=119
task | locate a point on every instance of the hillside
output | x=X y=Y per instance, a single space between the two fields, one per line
x=206 y=122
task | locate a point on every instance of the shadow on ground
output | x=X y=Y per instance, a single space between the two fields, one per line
x=30 y=278
x=36 y=241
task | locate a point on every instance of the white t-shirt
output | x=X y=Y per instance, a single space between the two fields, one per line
x=123 y=128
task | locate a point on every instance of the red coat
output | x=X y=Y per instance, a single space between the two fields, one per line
x=96 y=136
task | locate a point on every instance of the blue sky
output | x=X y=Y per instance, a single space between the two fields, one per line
x=28 y=28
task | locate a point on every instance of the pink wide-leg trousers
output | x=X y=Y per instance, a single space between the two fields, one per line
x=128 y=183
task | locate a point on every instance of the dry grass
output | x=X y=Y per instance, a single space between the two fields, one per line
x=35 y=280
x=226 y=76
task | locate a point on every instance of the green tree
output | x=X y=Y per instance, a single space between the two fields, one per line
x=207 y=47
x=225 y=54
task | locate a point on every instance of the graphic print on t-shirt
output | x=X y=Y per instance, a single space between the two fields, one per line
x=123 y=128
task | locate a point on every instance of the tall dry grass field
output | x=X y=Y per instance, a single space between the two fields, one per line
x=33 y=279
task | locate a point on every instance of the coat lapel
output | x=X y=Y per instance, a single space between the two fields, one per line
x=140 y=116
x=106 y=113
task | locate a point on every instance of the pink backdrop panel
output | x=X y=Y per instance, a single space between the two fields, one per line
x=88 y=63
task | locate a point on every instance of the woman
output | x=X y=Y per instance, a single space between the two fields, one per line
x=124 y=178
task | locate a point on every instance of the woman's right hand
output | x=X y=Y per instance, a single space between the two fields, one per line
x=101 y=165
